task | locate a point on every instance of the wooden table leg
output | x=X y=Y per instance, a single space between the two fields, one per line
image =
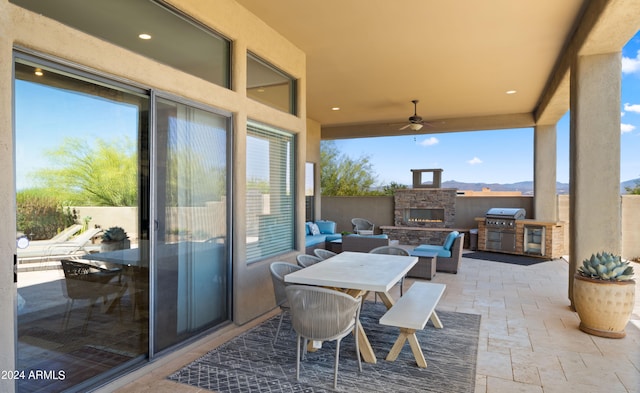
x=410 y=335
x=365 y=346
x=386 y=299
x=436 y=320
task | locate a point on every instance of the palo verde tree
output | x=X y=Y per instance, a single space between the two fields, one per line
x=99 y=174
x=342 y=175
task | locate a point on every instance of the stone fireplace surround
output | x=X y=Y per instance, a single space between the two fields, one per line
x=436 y=206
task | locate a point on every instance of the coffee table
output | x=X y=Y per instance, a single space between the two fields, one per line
x=426 y=266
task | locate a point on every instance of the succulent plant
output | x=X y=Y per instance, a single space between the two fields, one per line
x=606 y=266
x=114 y=234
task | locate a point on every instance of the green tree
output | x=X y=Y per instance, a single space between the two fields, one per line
x=102 y=174
x=390 y=189
x=634 y=190
x=341 y=175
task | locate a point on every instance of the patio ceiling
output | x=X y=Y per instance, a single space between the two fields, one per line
x=459 y=58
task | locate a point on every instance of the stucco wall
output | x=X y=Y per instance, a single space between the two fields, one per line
x=380 y=211
x=253 y=293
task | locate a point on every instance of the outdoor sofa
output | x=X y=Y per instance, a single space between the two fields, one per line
x=318 y=234
x=363 y=243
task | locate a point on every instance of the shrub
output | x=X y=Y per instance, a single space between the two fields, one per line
x=41 y=216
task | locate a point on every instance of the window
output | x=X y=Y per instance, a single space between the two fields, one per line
x=270 y=191
x=270 y=86
x=171 y=38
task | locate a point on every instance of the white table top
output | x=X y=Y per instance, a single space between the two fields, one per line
x=355 y=270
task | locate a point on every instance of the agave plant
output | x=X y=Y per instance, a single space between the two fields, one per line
x=114 y=234
x=606 y=266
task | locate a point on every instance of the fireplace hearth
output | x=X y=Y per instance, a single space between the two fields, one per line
x=425 y=207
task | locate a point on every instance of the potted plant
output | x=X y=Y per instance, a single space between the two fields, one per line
x=604 y=295
x=114 y=238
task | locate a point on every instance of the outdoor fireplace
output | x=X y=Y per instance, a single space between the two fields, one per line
x=424 y=215
x=425 y=207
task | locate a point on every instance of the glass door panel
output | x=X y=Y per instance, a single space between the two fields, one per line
x=82 y=310
x=191 y=208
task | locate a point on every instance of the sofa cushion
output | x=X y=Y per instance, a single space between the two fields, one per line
x=326 y=227
x=312 y=240
x=333 y=236
x=307 y=227
x=441 y=252
x=448 y=242
x=314 y=229
x=382 y=236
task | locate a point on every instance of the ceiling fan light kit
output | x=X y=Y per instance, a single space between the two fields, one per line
x=415 y=122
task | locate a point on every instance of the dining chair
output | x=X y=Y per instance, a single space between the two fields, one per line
x=391 y=250
x=321 y=314
x=83 y=281
x=306 y=260
x=278 y=271
x=324 y=254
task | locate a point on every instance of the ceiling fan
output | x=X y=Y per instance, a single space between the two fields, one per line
x=415 y=121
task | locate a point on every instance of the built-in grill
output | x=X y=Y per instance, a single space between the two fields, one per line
x=500 y=224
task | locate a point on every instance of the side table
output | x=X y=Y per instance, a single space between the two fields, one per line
x=426 y=266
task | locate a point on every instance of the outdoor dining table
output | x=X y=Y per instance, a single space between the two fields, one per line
x=357 y=273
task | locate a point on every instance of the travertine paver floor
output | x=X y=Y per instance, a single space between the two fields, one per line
x=529 y=341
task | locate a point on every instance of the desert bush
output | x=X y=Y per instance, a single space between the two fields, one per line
x=41 y=216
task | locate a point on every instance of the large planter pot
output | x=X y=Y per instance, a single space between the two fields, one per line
x=113 y=246
x=604 y=307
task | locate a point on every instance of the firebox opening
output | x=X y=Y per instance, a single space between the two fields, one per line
x=423 y=215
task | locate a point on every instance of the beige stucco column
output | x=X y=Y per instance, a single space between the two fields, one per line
x=594 y=207
x=7 y=203
x=544 y=173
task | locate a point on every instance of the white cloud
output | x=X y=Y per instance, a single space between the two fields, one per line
x=624 y=128
x=630 y=65
x=474 y=161
x=429 y=141
x=632 y=108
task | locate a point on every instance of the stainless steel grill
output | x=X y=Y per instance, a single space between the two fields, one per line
x=500 y=229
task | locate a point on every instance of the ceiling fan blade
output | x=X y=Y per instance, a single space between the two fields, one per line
x=402 y=128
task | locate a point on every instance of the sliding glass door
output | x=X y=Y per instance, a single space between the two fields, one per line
x=82 y=304
x=191 y=272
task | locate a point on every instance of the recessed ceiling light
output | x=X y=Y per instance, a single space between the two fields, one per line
x=511 y=91
x=335 y=108
x=144 y=36
x=38 y=72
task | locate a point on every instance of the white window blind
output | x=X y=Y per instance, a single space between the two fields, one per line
x=270 y=191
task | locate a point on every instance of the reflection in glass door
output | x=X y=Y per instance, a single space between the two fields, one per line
x=191 y=272
x=82 y=308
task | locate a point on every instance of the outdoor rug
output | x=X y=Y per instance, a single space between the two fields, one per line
x=521 y=260
x=251 y=363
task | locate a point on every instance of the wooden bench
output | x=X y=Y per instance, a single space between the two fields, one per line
x=411 y=313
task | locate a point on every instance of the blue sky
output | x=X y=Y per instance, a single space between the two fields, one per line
x=480 y=156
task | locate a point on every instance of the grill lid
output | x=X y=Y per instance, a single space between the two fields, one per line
x=506 y=212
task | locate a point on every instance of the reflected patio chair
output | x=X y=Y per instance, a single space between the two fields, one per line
x=306 y=260
x=74 y=246
x=321 y=314
x=362 y=226
x=391 y=250
x=83 y=281
x=324 y=254
x=278 y=271
x=63 y=236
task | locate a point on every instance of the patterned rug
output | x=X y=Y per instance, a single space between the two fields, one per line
x=251 y=363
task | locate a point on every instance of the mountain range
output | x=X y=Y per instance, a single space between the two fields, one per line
x=525 y=187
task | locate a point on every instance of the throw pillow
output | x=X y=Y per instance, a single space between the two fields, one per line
x=326 y=227
x=314 y=229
